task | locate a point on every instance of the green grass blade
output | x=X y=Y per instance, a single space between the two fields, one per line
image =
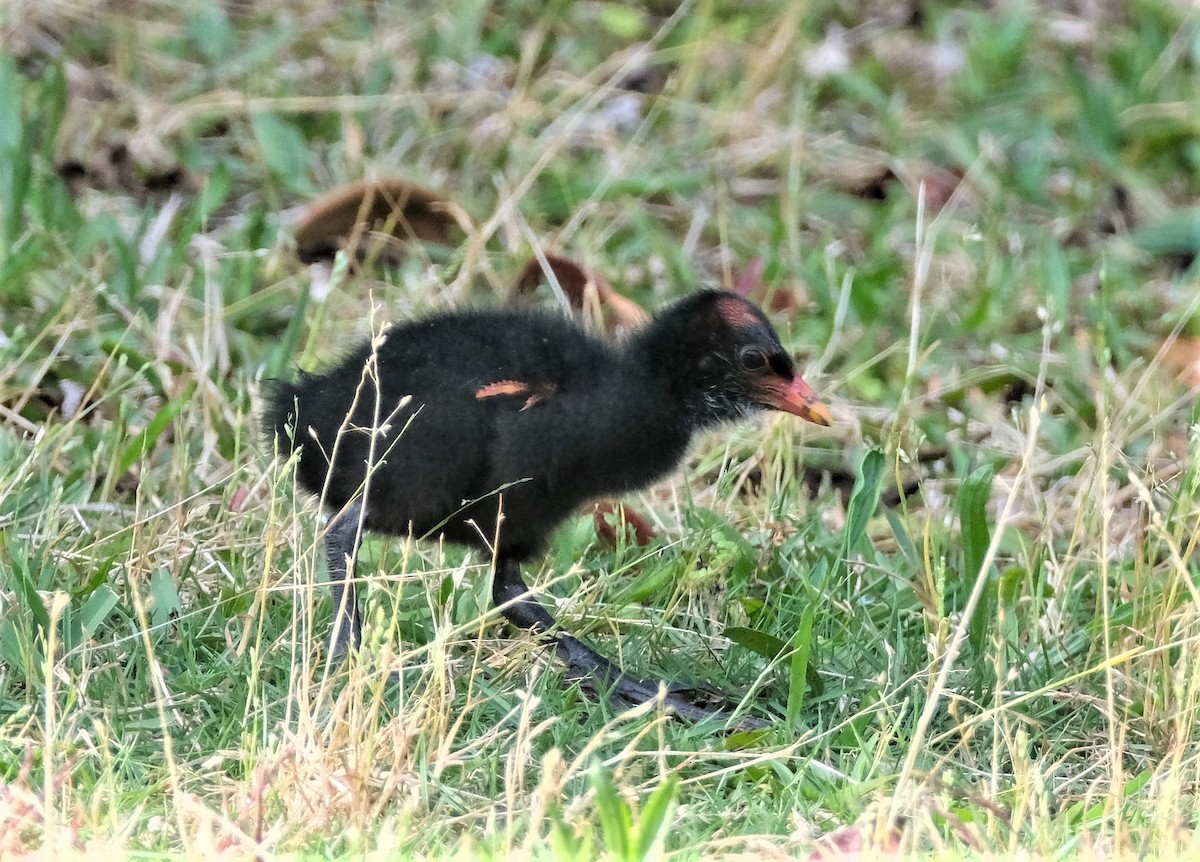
x=143 y=442
x=16 y=154
x=798 y=670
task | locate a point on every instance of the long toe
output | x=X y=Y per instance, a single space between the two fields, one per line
x=635 y=690
x=345 y=637
x=586 y=666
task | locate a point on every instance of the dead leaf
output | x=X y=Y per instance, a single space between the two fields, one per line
x=127 y=483
x=238 y=502
x=625 y=516
x=748 y=282
x=829 y=57
x=1181 y=357
x=862 y=173
x=503 y=387
x=113 y=167
x=783 y=300
x=72 y=398
x=397 y=208
x=586 y=291
x=107 y=143
x=940 y=183
x=750 y=278
x=862 y=840
x=648 y=79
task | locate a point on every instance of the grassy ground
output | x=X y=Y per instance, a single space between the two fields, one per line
x=970 y=609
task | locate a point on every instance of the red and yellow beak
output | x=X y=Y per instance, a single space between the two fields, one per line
x=797 y=398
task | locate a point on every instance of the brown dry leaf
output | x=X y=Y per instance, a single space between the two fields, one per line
x=940 y=183
x=113 y=166
x=73 y=395
x=784 y=300
x=238 y=502
x=127 y=483
x=398 y=208
x=636 y=526
x=106 y=144
x=580 y=285
x=649 y=80
x=865 y=175
x=748 y=282
x=533 y=395
x=861 y=840
x=1174 y=444
x=26 y=826
x=908 y=57
x=1181 y=357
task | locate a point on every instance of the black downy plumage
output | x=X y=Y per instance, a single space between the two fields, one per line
x=445 y=422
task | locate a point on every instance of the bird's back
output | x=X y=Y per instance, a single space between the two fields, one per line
x=446 y=447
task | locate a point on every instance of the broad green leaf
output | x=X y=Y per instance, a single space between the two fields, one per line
x=563 y=842
x=615 y=822
x=281 y=352
x=901 y=536
x=1056 y=279
x=217 y=185
x=1177 y=233
x=15 y=155
x=765 y=645
x=208 y=27
x=625 y=21
x=22 y=581
x=1096 y=120
x=11 y=130
x=973 y=497
x=284 y=150
x=864 y=500
x=656 y=819
x=96 y=609
x=164 y=597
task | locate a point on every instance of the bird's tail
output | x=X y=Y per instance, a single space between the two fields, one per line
x=280 y=419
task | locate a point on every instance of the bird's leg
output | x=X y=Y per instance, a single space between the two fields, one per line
x=341 y=549
x=519 y=607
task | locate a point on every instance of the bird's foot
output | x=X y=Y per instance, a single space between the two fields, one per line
x=587 y=666
x=346 y=635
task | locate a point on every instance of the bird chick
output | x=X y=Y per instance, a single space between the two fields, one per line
x=488 y=428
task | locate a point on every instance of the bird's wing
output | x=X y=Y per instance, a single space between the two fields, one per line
x=533 y=393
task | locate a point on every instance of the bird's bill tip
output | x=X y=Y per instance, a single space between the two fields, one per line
x=797 y=398
x=816 y=413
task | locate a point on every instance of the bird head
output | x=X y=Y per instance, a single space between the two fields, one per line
x=724 y=358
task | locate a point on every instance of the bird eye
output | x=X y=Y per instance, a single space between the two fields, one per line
x=752 y=358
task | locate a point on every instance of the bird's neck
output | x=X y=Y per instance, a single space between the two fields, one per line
x=640 y=434
x=663 y=352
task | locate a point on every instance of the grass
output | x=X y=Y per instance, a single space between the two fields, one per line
x=970 y=608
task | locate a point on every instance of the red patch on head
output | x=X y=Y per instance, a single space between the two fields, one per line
x=736 y=312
